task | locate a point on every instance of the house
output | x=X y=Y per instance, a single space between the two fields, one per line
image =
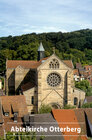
x=12 y=110
x=45 y=122
x=83 y=73
x=78 y=120
x=62 y=124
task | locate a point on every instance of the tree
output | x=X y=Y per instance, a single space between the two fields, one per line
x=45 y=109
x=84 y=85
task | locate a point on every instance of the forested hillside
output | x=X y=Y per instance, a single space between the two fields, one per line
x=74 y=45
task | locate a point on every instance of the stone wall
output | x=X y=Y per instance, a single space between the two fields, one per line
x=32 y=107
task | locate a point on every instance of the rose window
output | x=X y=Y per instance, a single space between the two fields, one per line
x=53 y=79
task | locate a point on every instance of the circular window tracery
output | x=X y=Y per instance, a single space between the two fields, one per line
x=53 y=79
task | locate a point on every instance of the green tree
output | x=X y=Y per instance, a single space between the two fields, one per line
x=44 y=109
x=84 y=85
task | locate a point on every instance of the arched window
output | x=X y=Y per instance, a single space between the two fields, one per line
x=75 y=101
x=54 y=64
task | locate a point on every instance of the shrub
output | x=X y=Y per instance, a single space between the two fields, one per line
x=87 y=105
x=69 y=107
x=45 y=109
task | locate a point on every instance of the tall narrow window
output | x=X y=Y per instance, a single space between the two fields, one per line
x=32 y=100
x=75 y=101
x=54 y=64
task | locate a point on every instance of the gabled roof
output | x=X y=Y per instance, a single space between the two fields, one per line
x=32 y=64
x=14 y=104
x=45 y=121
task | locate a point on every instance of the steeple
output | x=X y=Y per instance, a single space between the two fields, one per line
x=41 y=52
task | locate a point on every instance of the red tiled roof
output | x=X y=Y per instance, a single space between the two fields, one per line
x=27 y=86
x=9 y=123
x=23 y=63
x=68 y=63
x=32 y=64
x=68 y=118
x=15 y=103
x=88 y=67
x=76 y=72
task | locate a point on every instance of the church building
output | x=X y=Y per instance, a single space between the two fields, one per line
x=48 y=81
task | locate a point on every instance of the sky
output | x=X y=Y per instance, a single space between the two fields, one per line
x=19 y=17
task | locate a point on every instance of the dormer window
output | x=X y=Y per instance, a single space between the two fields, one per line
x=54 y=64
x=15 y=116
x=6 y=114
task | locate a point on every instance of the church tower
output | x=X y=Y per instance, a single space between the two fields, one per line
x=41 y=52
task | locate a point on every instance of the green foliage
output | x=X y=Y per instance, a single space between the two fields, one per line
x=84 y=85
x=69 y=107
x=21 y=136
x=44 y=109
x=87 y=105
x=75 y=45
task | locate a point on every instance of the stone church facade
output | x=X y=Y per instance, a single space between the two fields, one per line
x=46 y=81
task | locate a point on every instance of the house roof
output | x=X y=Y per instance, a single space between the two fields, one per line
x=45 y=121
x=27 y=86
x=80 y=114
x=32 y=64
x=14 y=104
x=68 y=63
x=67 y=117
x=9 y=123
x=76 y=72
x=88 y=67
x=78 y=65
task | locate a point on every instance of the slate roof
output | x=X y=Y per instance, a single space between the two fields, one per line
x=89 y=99
x=14 y=104
x=46 y=121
